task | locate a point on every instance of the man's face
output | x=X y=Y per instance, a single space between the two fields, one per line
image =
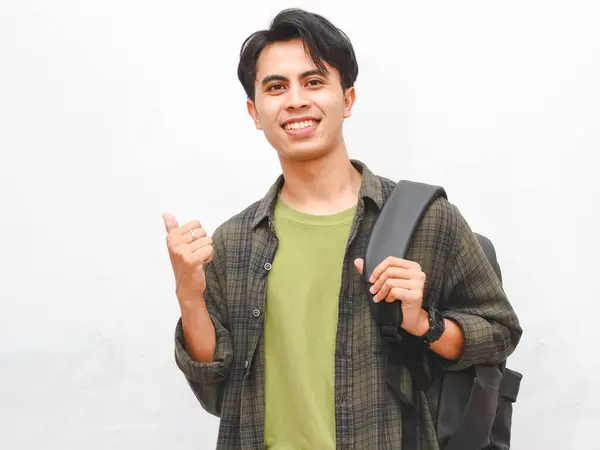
x=300 y=109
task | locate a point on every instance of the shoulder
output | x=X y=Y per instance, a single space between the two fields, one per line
x=439 y=230
x=230 y=240
x=237 y=226
x=442 y=214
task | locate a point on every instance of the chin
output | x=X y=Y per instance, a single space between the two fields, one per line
x=304 y=153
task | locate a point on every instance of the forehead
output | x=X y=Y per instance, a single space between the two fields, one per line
x=288 y=58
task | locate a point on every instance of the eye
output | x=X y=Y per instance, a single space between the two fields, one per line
x=315 y=82
x=275 y=87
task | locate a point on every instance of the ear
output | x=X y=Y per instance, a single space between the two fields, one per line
x=253 y=113
x=349 y=99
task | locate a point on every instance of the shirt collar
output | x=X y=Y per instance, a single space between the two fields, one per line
x=370 y=188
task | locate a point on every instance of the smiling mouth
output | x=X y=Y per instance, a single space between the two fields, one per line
x=300 y=125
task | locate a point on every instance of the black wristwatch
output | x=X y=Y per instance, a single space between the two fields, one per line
x=436 y=326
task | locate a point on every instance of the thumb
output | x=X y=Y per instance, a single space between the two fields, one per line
x=170 y=222
x=359 y=263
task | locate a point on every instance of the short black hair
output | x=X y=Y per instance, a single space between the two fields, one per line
x=323 y=41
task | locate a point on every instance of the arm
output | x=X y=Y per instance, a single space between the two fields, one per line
x=198 y=330
x=203 y=342
x=477 y=304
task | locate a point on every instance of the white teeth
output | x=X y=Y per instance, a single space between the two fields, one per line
x=299 y=125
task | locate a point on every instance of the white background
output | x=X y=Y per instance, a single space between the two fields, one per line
x=113 y=112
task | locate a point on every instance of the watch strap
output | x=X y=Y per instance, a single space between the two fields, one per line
x=436 y=326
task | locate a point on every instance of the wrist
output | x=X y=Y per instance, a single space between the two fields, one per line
x=423 y=324
x=190 y=302
x=436 y=325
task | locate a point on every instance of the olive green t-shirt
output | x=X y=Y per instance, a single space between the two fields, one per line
x=300 y=328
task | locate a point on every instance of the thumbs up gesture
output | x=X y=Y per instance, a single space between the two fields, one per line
x=189 y=249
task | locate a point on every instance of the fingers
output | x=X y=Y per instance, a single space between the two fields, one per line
x=186 y=239
x=197 y=253
x=399 y=280
x=204 y=254
x=408 y=296
x=359 y=263
x=170 y=222
x=185 y=234
x=394 y=293
x=193 y=234
x=201 y=256
x=190 y=226
x=391 y=261
x=191 y=231
x=397 y=273
x=390 y=285
x=199 y=243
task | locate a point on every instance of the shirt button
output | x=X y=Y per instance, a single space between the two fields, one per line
x=256 y=313
x=268 y=266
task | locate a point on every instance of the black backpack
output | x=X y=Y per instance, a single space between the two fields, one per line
x=472 y=408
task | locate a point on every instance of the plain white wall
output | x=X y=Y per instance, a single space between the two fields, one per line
x=113 y=112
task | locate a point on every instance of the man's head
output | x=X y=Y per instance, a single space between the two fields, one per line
x=299 y=78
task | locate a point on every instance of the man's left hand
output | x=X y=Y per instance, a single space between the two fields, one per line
x=400 y=279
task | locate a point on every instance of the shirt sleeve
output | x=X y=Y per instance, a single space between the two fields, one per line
x=476 y=301
x=207 y=380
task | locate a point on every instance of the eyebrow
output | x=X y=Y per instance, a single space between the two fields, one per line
x=308 y=73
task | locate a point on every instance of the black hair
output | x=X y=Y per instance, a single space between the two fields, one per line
x=323 y=41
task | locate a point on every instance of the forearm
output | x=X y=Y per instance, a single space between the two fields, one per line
x=451 y=342
x=198 y=331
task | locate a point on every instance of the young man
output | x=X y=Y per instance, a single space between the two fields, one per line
x=276 y=336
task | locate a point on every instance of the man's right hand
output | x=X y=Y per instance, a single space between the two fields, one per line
x=189 y=249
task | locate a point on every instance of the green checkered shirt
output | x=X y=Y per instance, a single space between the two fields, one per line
x=367 y=413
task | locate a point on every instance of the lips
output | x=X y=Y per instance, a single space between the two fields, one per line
x=301 y=129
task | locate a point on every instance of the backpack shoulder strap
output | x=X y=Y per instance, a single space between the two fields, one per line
x=391 y=236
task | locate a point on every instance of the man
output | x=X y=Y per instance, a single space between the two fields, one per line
x=276 y=336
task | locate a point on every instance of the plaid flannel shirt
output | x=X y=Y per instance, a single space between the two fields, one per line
x=367 y=414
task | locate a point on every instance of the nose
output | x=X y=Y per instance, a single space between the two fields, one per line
x=297 y=98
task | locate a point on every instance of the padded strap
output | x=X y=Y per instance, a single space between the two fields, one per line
x=397 y=221
x=391 y=236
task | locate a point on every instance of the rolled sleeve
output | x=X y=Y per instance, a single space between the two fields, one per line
x=479 y=305
x=482 y=342
x=202 y=373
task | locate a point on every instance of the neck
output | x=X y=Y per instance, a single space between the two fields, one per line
x=326 y=185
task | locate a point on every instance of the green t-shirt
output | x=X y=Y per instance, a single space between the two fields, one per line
x=301 y=326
